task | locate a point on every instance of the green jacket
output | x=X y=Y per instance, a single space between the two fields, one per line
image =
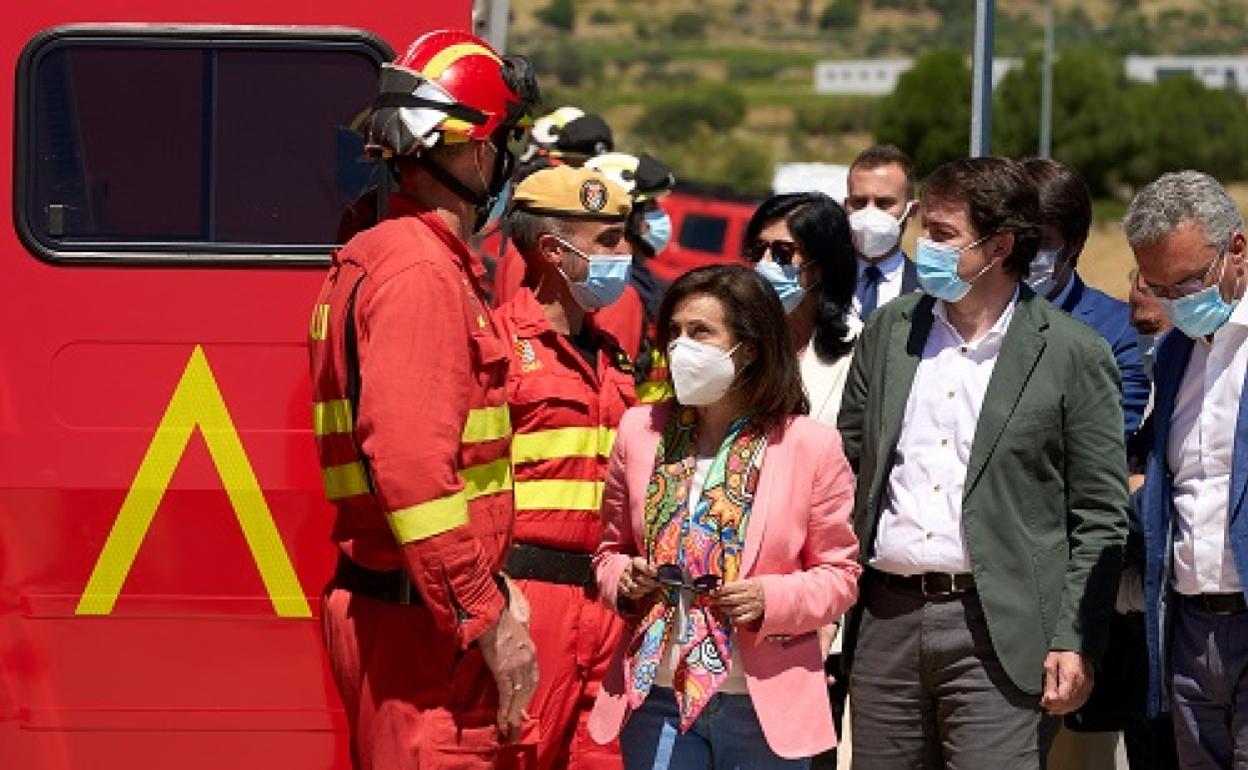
x=1044 y=509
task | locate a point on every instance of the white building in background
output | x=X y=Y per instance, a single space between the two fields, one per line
x=1213 y=71
x=828 y=178
x=878 y=77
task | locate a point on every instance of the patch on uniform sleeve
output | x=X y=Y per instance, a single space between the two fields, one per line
x=527 y=355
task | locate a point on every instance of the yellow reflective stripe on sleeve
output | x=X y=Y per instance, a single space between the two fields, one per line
x=488 y=479
x=318 y=327
x=488 y=424
x=420 y=522
x=558 y=494
x=558 y=443
x=330 y=417
x=653 y=392
x=346 y=480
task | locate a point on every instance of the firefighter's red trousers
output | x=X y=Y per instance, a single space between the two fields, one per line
x=412 y=701
x=575 y=636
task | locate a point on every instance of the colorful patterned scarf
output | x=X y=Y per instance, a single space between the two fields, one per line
x=708 y=542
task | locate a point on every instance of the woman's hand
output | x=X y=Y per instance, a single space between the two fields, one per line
x=741 y=601
x=637 y=581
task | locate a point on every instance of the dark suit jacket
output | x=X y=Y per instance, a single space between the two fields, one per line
x=909 y=276
x=1044 y=510
x=1157 y=509
x=1112 y=319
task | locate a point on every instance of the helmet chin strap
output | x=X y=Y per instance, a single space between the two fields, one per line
x=480 y=201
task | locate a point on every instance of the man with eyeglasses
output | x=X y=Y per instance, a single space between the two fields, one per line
x=1189 y=244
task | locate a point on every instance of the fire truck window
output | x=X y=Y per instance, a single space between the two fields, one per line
x=194 y=148
x=703 y=233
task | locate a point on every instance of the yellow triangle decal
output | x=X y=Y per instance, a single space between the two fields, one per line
x=196 y=403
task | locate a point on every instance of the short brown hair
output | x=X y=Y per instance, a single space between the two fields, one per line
x=878 y=155
x=1064 y=198
x=1001 y=197
x=771 y=384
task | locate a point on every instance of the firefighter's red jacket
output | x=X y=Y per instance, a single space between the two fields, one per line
x=419 y=466
x=564 y=412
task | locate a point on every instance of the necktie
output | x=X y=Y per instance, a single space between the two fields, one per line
x=871 y=291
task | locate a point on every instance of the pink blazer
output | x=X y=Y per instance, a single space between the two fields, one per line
x=798 y=542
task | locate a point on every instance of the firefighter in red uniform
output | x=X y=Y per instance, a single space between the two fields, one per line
x=569 y=386
x=434 y=666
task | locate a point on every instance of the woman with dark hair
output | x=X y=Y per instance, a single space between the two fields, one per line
x=802 y=244
x=727 y=544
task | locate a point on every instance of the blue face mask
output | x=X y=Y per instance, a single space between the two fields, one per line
x=606 y=281
x=499 y=207
x=783 y=278
x=937 y=265
x=660 y=229
x=1200 y=314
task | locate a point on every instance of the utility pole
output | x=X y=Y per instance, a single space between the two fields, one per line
x=1046 y=86
x=981 y=77
x=490 y=19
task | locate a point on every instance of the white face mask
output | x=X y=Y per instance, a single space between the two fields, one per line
x=876 y=232
x=701 y=373
x=1040 y=276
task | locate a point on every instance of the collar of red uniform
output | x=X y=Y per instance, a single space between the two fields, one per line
x=403 y=206
x=530 y=321
x=526 y=314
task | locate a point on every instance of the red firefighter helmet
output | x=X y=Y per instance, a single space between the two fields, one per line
x=449 y=86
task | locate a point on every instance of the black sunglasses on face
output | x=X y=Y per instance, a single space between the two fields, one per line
x=782 y=252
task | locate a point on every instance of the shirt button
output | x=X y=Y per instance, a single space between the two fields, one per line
x=944 y=442
x=937 y=487
x=963 y=349
x=928 y=536
x=951 y=394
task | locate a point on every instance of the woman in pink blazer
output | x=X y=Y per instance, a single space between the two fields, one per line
x=727 y=545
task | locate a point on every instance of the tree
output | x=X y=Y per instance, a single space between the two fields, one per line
x=718 y=107
x=1177 y=123
x=1088 y=88
x=839 y=14
x=560 y=14
x=928 y=114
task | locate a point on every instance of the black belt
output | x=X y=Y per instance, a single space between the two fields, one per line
x=391 y=585
x=550 y=565
x=1218 y=604
x=928 y=584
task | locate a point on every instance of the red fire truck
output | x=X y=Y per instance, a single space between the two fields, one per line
x=178 y=171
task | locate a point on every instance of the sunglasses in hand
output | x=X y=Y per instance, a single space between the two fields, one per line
x=673 y=576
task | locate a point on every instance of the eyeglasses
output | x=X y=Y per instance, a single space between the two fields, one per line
x=673 y=576
x=782 y=252
x=1184 y=288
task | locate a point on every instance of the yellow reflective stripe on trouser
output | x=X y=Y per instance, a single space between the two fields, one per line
x=488 y=424
x=346 y=480
x=558 y=494
x=558 y=443
x=654 y=391
x=332 y=417
x=418 y=522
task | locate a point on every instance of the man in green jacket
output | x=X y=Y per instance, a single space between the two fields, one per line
x=986 y=429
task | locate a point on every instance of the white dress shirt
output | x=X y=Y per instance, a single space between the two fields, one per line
x=920 y=527
x=892 y=268
x=1200 y=451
